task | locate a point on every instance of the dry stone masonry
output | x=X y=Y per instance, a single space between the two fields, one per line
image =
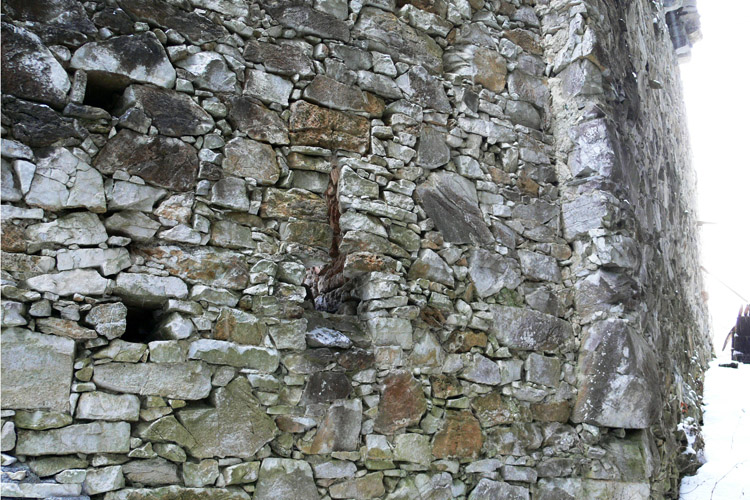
x=346 y=249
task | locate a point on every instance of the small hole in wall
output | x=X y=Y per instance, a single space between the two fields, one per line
x=141 y=325
x=101 y=95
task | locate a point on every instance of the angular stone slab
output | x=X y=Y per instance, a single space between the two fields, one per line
x=285 y=478
x=209 y=266
x=451 y=202
x=251 y=159
x=308 y=21
x=30 y=71
x=529 y=330
x=619 y=380
x=159 y=160
x=122 y=59
x=257 y=121
x=312 y=125
x=284 y=59
x=237 y=425
x=69 y=282
x=220 y=352
x=190 y=380
x=403 y=403
x=104 y=406
x=384 y=32
x=492 y=272
x=147 y=290
x=177 y=493
x=78 y=228
x=196 y=28
x=36 y=370
x=96 y=437
x=39 y=125
x=330 y=93
x=174 y=114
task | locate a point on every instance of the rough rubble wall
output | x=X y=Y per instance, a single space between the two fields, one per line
x=432 y=249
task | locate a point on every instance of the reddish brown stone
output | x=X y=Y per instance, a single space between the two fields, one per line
x=290 y=423
x=356 y=359
x=526 y=40
x=551 y=412
x=358 y=263
x=494 y=409
x=445 y=386
x=296 y=203
x=528 y=185
x=463 y=341
x=209 y=266
x=12 y=238
x=312 y=125
x=460 y=437
x=402 y=404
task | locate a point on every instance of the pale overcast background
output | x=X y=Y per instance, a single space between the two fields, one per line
x=717 y=97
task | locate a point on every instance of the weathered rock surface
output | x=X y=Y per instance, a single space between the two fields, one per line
x=162 y=161
x=30 y=69
x=196 y=28
x=402 y=405
x=451 y=201
x=311 y=125
x=616 y=388
x=257 y=121
x=172 y=113
x=96 y=437
x=524 y=329
x=36 y=370
x=286 y=478
x=122 y=59
x=251 y=159
x=189 y=380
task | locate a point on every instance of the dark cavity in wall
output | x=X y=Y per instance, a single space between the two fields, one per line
x=141 y=325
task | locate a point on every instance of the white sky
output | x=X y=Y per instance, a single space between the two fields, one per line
x=715 y=82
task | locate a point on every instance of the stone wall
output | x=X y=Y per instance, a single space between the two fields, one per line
x=416 y=249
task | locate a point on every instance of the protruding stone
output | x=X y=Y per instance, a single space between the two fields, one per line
x=524 y=329
x=267 y=87
x=384 y=32
x=220 y=352
x=618 y=373
x=162 y=161
x=308 y=21
x=30 y=70
x=195 y=27
x=108 y=319
x=122 y=59
x=104 y=406
x=451 y=202
x=174 y=114
x=257 y=121
x=69 y=282
x=402 y=404
x=78 y=228
x=147 y=290
x=433 y=150
x=104 y=479
x=340 y=429
x=209 y=70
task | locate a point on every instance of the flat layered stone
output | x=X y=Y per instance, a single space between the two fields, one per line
x=220 y=352
x=36 y=370
x=78 y=228
x=104 y=406
x=285 y=478
x=251 y=159
x=488 y=489
x=361 y=488
x=190 y=380
x=196 y=28
x=385 y=33
x=267 y=87
x=122 y=59
x=177 y=493
x=64 y=328
x=209 y=266
x=69 y=282
x=30 y=70
x=147 y=290
x=96 y=437
x=131 y=224
x=424 y=89
x=40 y=490
x=525 y=329
x=619 y=378
x=298 y=203
x=174 y=114
x=163 y=161
x=104 y=479
x=308 y=21
x=312 y=125
x=237 y=425
x=402 y=404
x=326 y=91
x=108 y=261
x=257 y=121
x=451 y=202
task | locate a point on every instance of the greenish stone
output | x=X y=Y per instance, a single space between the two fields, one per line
x=244 y=473
x=177 y=493
x=49 y=466
x=41 y=420
x=413 y=448
x=219 y=352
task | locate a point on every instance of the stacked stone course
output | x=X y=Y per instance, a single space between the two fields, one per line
x=346 y=249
